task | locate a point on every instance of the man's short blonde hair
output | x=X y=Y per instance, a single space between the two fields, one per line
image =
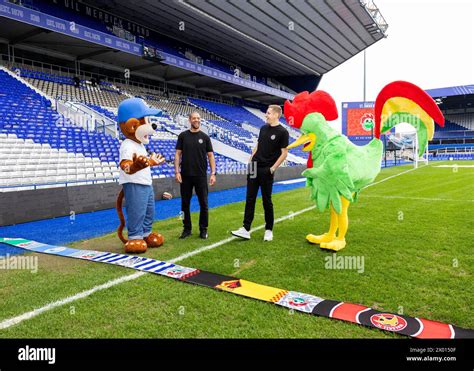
x=275 y=108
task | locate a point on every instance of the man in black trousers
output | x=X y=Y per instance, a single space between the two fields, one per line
x=193 y=149
x=267 y=156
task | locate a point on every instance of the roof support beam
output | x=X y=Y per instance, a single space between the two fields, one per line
x=27 y=35
x=94 y=53
x=143 y=67
x=183 y=76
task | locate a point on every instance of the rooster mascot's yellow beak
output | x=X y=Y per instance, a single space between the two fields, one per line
x=307 y=140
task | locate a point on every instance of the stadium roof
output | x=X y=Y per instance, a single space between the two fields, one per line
x=253 y=33
x=258 y=33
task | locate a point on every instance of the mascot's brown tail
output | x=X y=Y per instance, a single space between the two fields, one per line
x=118 y=206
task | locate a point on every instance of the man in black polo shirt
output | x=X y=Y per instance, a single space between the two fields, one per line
x=193 y=149
x=266 y=157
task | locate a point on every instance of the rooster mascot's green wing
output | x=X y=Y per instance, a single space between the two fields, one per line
x=337 y=168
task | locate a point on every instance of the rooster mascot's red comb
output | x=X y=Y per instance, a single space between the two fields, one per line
x=305 y=103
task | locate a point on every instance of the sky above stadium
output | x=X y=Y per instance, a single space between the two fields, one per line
x=429 y=43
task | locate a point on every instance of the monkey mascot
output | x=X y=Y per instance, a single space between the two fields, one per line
x=135 y=176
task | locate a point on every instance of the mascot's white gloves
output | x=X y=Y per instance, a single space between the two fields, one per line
x=156 y=159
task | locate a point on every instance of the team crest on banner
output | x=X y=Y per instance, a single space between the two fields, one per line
x=178 y=272
x=30 y=245
x=389 y=322
x=229 y=285
x=55 y=250
x=130 y=262
x=86 y=254
x=299 y=301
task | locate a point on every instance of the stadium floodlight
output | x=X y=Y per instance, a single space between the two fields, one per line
x=376 y=15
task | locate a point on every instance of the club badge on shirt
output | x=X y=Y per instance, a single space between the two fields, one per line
x=200 y=141
x=273 y=137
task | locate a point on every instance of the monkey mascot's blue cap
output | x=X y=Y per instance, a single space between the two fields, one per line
x=135 y=108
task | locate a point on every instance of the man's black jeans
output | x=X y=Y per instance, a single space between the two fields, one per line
x=263 y=179
x=199 y=183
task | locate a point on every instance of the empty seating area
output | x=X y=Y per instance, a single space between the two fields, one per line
x=449 y=126
x=457 y=133
x=234 y=114
x=104 y=111
x=175 y=106
x=173 y=103
x=238 y=115
x=140 y=90
x=260 y=114
x=465 y=154
x=40 y=148
x=101 y=96
x=462 y=120
x=104 y=99
x=62 y=87
x=232 y=134
x=45 y=76
x=168 y=148
x=441 y=135
x=25 y=164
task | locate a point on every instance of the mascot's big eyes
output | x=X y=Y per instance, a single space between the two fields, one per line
x=152 y=120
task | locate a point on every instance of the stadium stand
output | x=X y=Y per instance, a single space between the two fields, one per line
x=455 y=141
x=105 y=99
x=104 y=111
x=177 y=106
x=239 y=115
x=234 y=114
x=40 y=148
x=450 y=126
x=61 y=87
x=463 y=120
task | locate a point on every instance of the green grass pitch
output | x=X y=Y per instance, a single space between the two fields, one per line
x=414 y=231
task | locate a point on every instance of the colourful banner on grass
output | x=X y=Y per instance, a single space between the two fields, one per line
x=355 y=313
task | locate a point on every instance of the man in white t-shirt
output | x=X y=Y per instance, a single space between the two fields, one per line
x=135 y=174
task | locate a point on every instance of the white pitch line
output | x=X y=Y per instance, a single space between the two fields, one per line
x=419 y=198
x=454 y=166
x=390 y=177
x=31 y=314
x=36 y=312
x=291 y=181
x=28 y=315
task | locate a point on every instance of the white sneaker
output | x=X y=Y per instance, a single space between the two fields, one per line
x=268 y=235
x=242 y=233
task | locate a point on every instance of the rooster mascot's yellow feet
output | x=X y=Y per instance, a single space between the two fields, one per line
x=311 y=238
x=334 y=245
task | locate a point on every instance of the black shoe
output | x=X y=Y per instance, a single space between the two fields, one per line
x=185 y=234
x=203 y=234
